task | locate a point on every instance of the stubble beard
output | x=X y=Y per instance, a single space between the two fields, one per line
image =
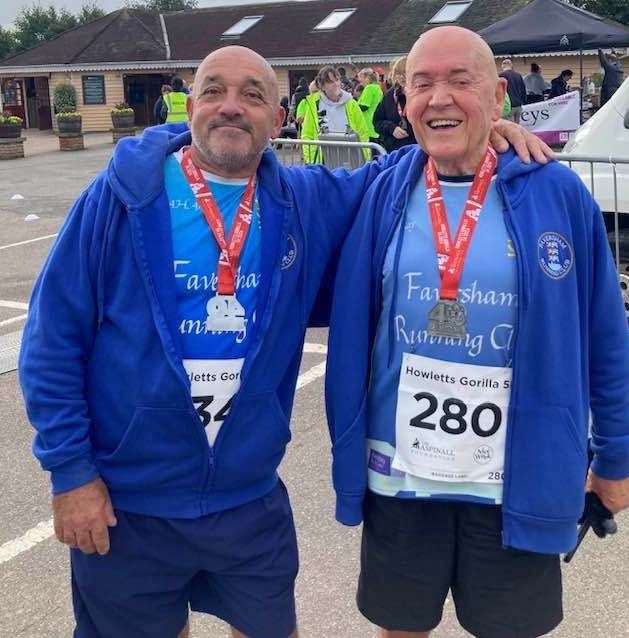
x=228 y=160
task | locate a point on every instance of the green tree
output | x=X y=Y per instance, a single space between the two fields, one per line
x=163 y=5
x=7 y=42
x=35 y=24
x=614 y=9
x=90 y=11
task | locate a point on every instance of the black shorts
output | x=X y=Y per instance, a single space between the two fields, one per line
x=414 y=551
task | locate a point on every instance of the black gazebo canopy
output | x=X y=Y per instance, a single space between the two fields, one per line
x=552 y=25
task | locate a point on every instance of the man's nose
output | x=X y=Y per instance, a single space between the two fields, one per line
x=231 y=105
x=441 y=95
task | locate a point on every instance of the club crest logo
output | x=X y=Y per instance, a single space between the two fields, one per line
x=554 y=255
x=291 y=253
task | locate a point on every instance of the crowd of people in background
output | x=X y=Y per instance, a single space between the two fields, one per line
x=364 y=105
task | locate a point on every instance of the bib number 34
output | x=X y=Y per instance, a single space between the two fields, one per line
x=453 y=416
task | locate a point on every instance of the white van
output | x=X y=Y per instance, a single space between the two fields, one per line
x=606 y=135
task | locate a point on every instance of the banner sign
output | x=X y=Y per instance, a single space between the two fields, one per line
x=553 y=120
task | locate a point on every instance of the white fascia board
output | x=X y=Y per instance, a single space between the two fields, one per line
x=182 y=64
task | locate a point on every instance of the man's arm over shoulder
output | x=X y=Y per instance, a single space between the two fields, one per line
x=62 y=321
x=609 y=360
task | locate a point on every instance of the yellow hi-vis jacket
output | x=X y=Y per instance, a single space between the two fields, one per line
x=175 y=102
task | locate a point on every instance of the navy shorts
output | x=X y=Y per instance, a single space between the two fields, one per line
x=239 y=565
x=415 y=550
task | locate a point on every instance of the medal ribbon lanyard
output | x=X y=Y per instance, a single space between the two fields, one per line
x=231 y=248
x=451 y=256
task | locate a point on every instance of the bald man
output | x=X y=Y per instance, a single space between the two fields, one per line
x=467 y=337
x=160 y=358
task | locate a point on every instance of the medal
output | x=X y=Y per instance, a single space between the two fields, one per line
x=224 y=312
x=448 y=318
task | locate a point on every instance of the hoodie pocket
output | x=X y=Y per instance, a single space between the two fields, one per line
x=161 y=449
x=548 y=464
x=253 y=442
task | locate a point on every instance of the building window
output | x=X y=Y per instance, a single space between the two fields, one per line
x=94 y=89
x=334 y=20
x=242 y=25
x=450 y=12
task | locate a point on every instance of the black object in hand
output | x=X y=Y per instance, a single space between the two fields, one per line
x=595 y=516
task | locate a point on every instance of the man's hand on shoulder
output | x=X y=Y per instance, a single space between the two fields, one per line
x=613 y=494
x=82 y=517
x=525 y=144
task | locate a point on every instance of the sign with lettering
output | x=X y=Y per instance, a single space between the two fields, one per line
x=553 y=120
x=94 y=89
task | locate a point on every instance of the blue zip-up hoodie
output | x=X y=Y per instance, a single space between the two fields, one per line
x=571 y=350
x=101 y=366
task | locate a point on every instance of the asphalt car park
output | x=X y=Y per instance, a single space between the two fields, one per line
x=34 y=571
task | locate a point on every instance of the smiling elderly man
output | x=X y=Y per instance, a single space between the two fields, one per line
x=476 y=320
x=160 y=358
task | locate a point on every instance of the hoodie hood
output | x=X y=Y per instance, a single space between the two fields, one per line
x=329 y=104
x=136 y=170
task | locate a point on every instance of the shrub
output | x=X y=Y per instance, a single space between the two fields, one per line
x=7 y=118
x=122 y=109
x=64 y=98
x=68 y=115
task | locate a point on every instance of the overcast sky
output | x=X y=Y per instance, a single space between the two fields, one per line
x=9 y=8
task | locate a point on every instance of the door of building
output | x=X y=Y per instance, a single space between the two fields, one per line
x=293 y=78
x=141 y=93
x=42 y=98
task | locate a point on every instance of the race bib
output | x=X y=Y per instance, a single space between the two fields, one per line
x=451 y=420
x=213 y=384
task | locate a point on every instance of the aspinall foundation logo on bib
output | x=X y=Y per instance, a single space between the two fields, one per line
x=483 y=454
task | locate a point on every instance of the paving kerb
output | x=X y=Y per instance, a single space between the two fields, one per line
x=39 y=142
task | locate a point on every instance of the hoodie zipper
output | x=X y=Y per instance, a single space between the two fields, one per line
x=522 y=295
x=256 y=346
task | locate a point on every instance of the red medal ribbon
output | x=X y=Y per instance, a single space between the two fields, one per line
x=451 y=256
x=231 y=248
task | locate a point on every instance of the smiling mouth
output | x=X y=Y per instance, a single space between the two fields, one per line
x=443 y=124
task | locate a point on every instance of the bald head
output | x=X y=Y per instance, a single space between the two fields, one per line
x=237 y=56
x=234 y=111
x=453 y=96
x=455 y=38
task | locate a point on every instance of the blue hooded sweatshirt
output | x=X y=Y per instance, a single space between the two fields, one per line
x=100 y=364
x=570 y=354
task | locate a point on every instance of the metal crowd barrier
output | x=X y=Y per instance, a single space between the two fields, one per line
x=335 y=154
x=607 y=179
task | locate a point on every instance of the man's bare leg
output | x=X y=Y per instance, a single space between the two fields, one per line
x=387 y=633
x=237 y=634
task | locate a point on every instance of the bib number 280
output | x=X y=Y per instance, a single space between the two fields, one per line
x=485 y=419
x=208 y=409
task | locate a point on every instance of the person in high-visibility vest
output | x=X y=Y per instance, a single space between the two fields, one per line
x=175 y=103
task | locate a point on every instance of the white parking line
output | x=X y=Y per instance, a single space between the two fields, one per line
x=16 y=305
x=44 y=530
x=7 y=322
x=28 y=241
x=316 y=348
x=33 y=537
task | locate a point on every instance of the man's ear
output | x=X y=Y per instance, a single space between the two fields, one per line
x=190 y=107
x=278 y=120
x=501 y=92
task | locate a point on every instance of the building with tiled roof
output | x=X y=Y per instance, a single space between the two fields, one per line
x=128 y=54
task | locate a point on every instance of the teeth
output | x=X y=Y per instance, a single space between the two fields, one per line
x=440 y=123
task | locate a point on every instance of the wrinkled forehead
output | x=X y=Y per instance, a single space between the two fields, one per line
x=437 y=63
x=237 y=69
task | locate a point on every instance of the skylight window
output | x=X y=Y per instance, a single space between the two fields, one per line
x=450 y=12
x=334 y=20
x=244 y=24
